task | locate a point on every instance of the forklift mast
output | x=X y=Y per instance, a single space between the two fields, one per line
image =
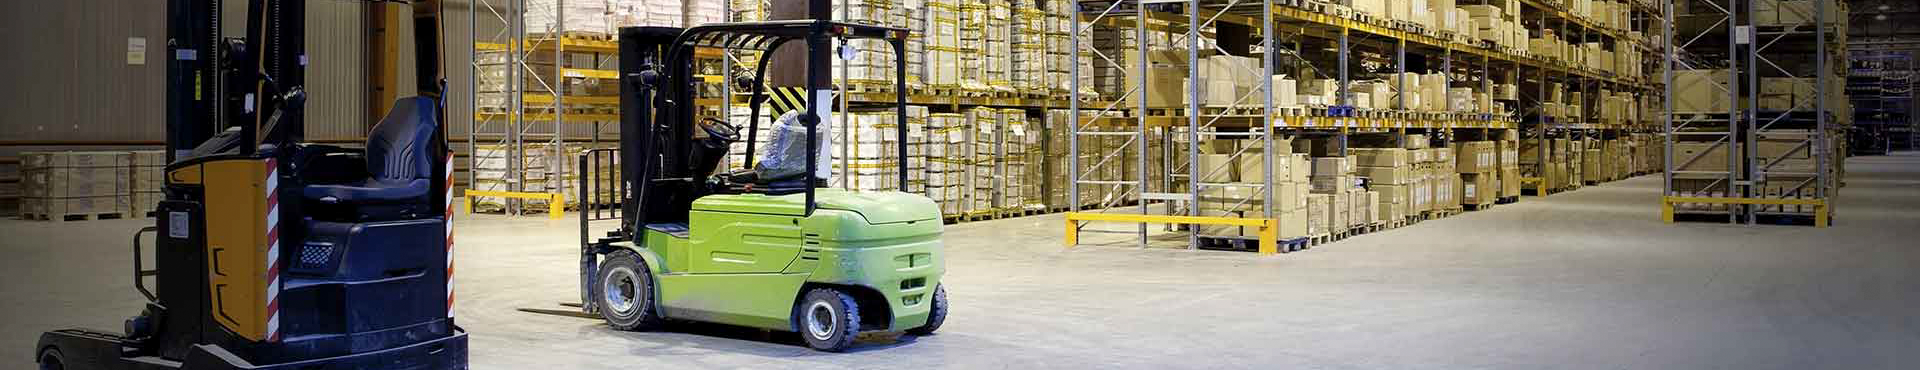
x=215 y=82
x=660 y=160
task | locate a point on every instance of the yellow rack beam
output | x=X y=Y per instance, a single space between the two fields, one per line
x=556 y=203
x=1819 y=205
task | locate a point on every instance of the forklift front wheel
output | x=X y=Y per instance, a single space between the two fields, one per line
x=829 y=319
x=50 y=359
x=626 y=292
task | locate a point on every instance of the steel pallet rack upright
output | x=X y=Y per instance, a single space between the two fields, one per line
x=1755 y=184
x=1119 y=189
x=1203 y=126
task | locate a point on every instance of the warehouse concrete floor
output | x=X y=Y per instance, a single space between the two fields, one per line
x=1587 y=279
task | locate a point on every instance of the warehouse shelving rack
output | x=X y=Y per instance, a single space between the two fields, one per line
x=531 y=107
x=1753 y=50
x=538 y=109
x=1880 y=85
x=1292 y=23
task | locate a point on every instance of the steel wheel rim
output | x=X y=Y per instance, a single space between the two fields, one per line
x=621 y=290
x=821 y=320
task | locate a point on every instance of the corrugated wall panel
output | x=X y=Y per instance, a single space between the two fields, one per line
x=336 y=71
x=68 y=66
x=69 y=79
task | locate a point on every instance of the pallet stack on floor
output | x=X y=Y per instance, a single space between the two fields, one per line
x=1231 y=171
x=76 y=186
x=1477 y=165
x=148 y=181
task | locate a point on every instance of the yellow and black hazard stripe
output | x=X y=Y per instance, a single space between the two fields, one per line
x=787 y=99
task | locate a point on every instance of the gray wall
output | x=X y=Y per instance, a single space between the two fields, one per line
x=67 y=79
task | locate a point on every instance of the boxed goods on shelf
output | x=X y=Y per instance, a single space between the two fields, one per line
x=1701 y=91
x=1475 y=156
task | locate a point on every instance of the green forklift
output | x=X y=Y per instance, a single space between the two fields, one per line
x=756 y=246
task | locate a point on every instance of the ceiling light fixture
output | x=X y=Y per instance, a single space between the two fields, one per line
x=1880 y=17
x=1884 y=7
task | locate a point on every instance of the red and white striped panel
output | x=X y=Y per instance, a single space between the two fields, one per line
x=273 y=250
x=449 y=200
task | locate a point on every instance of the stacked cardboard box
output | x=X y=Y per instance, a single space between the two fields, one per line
x=1444 y=180
x=1509 y=163
x=1232 y=175
x=148 y=181
x=1477 y=164
x=75 y=185
x=987 y=173
x=1390 y=174
x=1334 y=177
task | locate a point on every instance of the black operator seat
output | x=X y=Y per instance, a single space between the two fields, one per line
x=400 y=159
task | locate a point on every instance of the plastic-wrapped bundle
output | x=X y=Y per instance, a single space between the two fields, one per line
x=998 y=52
x=947 y=165
x=986 y=176
x=943 y=52
x=784 y=157
x=1029 y=44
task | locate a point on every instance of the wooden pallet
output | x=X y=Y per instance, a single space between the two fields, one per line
x=1314 y=6
x=1478 y=207
x=1249 y=244
x=870 y=88
x=577 y=35
x=975 y=93
x=1507 y=200
x=1318 y=240
x=68 y=217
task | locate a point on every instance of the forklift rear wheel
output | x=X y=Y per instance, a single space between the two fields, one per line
x=829 y=319
x=936 y=315
x=50 y=359
x=626 y=293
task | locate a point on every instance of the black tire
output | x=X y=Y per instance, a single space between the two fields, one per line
x=631 y=305
x=937 y=315
x=828 y=319
x=50 y=359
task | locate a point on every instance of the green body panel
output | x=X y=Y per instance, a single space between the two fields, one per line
x=754 y=300
x=734 y=243
x=748 y=256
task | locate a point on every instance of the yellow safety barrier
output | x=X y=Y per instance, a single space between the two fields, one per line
x=556 y=203
x=1269 y=230
x=1819 y=205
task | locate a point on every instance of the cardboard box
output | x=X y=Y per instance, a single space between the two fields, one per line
x=1332 y=166
x=1478 y=188
x=1319 y=213
x=1701 y=91
x=1285 y=92
x=1417 y=141
x=1342 y=213
x=67 y=182
x=1394 y=201
x=1366 y=208
x=1509 y=182
x=1216 y=168
x=1690 y=156
x=1331 y=184
x=1387 y=175
x=1475 y=157
x=1380 y=157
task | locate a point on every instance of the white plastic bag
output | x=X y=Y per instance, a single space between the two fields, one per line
x=784 y=157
